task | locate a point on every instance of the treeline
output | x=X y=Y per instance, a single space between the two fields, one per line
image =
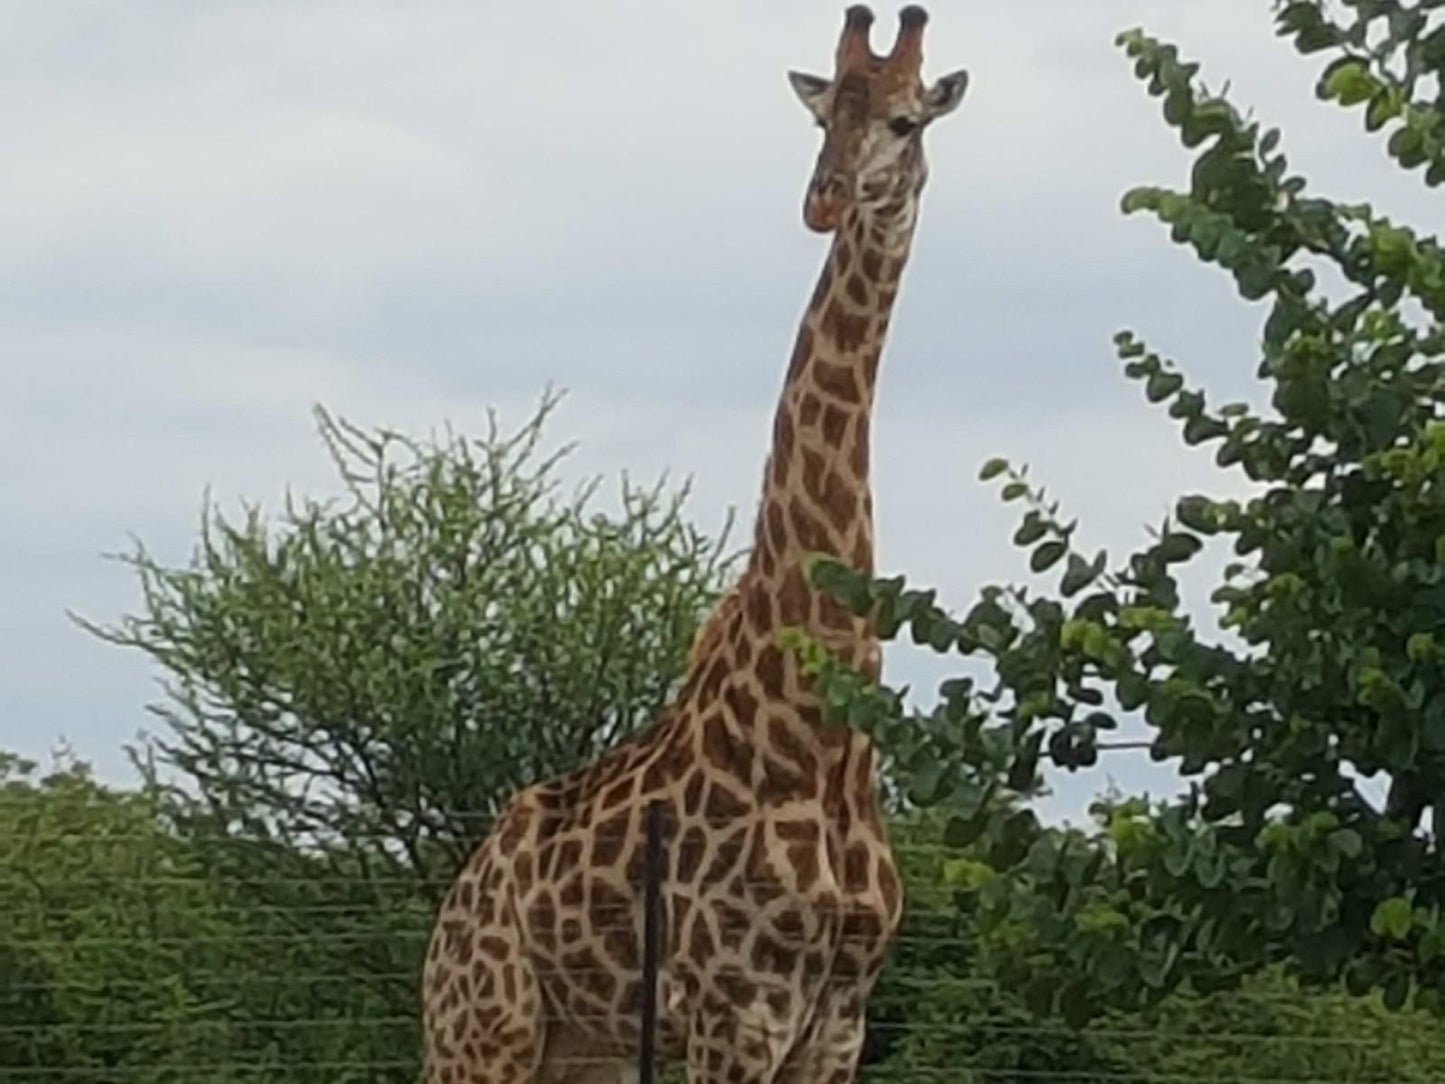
x=136 y=948
x=132 y=949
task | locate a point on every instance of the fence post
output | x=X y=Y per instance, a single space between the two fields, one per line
x=652 y=874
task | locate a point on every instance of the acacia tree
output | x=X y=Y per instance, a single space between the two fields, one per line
x=353 y=689
x=1329 y=664
x=373 y=677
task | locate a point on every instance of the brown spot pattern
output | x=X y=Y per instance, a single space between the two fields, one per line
x=691 y=850
x=794 y=598
x=823 y=287
x=857 y=289
x=511 y=834
x=813 y=473
x=835 y=424
x=858 y=453
x=777 y=528
x=610 y=837
x=837 y=381
x=845 y=329
x=759 y=608
x=855 y=867
x=802 y=351
x=707 y=692
x=807 y=528
x=769 y=669
x=839 y=501
x=782 y=455
x=872 y=263
x=692 y=794
x=742 y=704
x=722 y=804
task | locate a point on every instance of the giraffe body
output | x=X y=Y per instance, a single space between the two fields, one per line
x=780 y=896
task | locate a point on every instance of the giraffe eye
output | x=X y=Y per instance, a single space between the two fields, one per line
x=902 y=126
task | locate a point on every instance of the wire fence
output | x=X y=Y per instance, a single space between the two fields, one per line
x=124 y=958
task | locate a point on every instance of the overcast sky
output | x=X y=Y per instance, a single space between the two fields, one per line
x=214 y=215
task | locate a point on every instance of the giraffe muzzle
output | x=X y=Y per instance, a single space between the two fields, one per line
x=824 y=203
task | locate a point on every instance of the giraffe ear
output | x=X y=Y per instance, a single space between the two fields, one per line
x=811 y=90
x=944 y=96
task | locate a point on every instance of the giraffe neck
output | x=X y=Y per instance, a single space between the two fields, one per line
x=815 y=499
x=816 y=494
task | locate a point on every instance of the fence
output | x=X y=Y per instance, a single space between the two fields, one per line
x=128 y=955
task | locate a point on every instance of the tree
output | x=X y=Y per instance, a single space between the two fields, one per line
x=352 y=693
x=940 y=1009
x=377 y=676
x=937 y=1009
x=1329 y=661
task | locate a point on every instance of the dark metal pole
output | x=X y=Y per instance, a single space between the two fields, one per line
x=652 y=874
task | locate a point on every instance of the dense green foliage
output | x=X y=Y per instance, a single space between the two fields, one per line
x=1328 y=663
x=129 y=955
x=942 y=1008
x=121 y=958
x=936 y=1005
x=1387 y=54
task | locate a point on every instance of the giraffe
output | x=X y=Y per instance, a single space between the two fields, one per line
x=780 y=895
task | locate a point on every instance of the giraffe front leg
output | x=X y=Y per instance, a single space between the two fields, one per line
x=736 y=1046
x=829 y=1052
x=483 y=1017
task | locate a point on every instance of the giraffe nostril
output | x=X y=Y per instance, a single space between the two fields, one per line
x=820 y=210
x=826 y=187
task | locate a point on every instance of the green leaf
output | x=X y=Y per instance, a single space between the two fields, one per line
x=1139 y=199
x=1202 y=428
x=928 y=784
x=1132 y=690
x=1392 y=918
x=1348 y=80
x=1162 y=385
x=1384 y=106
x=1078 y=575
x=1396 y=991
x=1047 y=555
x=1347 y=841
x=1022 y=772
x=1420 y=647
x=967 y=873
x=963 y=831
x=993 y=468
x=1030 y=531
x=1177 y=546
x=1408 y=147
x=1076 y=1003
x=1432 y=726
x=1197 y=513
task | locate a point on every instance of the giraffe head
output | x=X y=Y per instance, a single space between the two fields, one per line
x=872 y=112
